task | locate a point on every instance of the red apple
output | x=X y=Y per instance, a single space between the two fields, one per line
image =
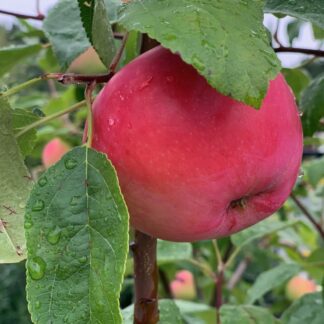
x=299 y=286
x=53 y=151
x=182 y=287
x=194 y=164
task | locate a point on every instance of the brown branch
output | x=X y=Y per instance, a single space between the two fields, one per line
x=72 y=78
x=308 y=215
x=146 y=279
x=118 y=55
x=23 y=16
x=308 y=51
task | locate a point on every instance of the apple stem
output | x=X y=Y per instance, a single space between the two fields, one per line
x=308 y=215
x=146 y=279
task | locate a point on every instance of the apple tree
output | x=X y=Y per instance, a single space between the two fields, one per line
x=159 y=165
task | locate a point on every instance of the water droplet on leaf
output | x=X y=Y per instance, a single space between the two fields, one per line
x=83 y=259
x=38 y=205
x=42 y=181
x=37 y=304
x=36 y=268
x=70 y=164
x=28 y=224
x=54 y=235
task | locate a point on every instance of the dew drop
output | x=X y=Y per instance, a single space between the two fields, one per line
x=301 y=173
x=83 y=259
x=28 y=224
x=198 y=63
x=37 y=304
x=111 y=121
x=36 y=268
x=129 y=126
x=300 y=113
x=54 y=235
x=42 y=181
x=70 y=164
x=169 y=78
x=75 y=200
x=22 y=205
x=38 y=205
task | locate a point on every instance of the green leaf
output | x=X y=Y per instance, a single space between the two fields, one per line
x=113 y=7
x=22 y=118
x=246 y=314
x=97 y=27
x=259 y=230
x=230 y=51
x=271 y=279
x=195 y=312
x=15 y=187
x=10 y=56
x=169 y=313
x=307 y=309
x=293 y=29
x=312 y=103
x=318 y=32
x=77 y=239
x=64 y=29
x=297 y=79
x=312 y=11
x=170 y=251
x=314 y=170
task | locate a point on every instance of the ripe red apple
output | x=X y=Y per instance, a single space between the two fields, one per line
x=299 y=286
x=194 y=164
x=53 y=151
x=182 y=287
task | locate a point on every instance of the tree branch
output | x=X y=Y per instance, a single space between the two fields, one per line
x=308 y=215
x=71 y=78
x=308 y=51
x=146 y=279
x=23 y=16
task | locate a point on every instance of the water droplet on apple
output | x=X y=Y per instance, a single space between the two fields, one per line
x=38 y=205
x=169 y=78
x=36 y=268
x=300 y=113
x=111 y=121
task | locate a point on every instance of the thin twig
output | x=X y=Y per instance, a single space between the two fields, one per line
x=238 y=273
x=116 y=59
x=50 y=117
x=38 y=7
x=308 y=51
x=308 y=214
x=22 y=16
x=72 y=78
x=275 y=35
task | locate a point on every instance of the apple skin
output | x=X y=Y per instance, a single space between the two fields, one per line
x=299 y=286
x=182 y=287
x=192 y=163
x=53 y=151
